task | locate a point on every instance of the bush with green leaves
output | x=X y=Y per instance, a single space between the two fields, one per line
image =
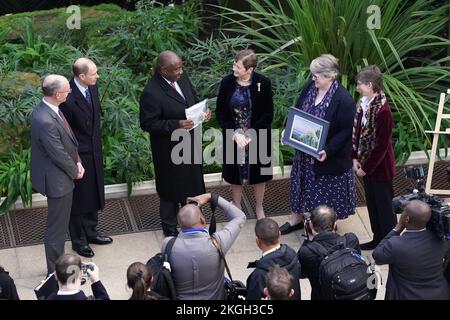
x=409 y=48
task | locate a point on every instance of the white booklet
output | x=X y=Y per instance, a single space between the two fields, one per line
x=197 y=112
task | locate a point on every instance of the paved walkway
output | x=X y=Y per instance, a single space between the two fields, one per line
x=27 y=264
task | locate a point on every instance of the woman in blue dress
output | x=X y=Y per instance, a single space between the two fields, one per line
x=328 y=180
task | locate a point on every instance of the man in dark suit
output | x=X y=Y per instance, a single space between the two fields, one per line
x=163 y=111
x=69 y=274
x=54 y=163
x=415 y=258
x=82 y=111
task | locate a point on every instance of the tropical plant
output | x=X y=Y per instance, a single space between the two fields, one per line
x=15 y=179
x=307 y=28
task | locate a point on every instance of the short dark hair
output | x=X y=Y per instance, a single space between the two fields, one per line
x=279 y=283
x=66 y=266
x=371 y=74
x=248 y=58
x=323 y=218
x=268 y=231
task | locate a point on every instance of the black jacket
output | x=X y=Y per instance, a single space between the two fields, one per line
x=98 y=290
x=89 y=192
x=284 y=257
x=340 y=114
x=415 y=266
x=261 y=118
x=8 y=289
x=161 y=109
x=310 y=257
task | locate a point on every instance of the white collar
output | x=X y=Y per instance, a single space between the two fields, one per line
x=53 y=107
x=409 y=230
x=271 y=250
x=80 y=87
x=365 y=102
x=68 y=293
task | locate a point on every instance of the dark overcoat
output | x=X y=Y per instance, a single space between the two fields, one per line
x=89 y=192
x=261 y=118
x=161 y=109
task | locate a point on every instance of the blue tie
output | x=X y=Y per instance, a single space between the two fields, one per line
x=88 y=97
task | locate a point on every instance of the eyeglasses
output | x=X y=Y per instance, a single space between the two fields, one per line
x=316 y=76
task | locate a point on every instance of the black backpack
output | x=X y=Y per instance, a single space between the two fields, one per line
x=344 y=274
x=162 y=282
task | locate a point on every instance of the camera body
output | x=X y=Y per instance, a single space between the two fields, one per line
x=85 y=267
x=439 y=223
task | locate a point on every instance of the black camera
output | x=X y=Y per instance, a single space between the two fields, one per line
x=439 y=223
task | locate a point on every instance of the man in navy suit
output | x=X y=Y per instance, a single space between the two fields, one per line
x=415 y=257
x=82 y=111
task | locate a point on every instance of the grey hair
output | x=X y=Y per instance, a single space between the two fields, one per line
x=50 y=87
x=326 y=64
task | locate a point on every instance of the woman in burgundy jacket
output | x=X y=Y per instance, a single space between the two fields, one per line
x=373 y=154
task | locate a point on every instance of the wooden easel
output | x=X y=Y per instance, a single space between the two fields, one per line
x=437 y=131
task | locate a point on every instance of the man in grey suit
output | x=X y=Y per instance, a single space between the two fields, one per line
x=415 y=257
x=54 y=163
x=197 y=269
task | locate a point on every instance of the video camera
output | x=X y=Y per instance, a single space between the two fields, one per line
x=439 y=223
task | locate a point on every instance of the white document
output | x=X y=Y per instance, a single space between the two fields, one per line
x=197 y=112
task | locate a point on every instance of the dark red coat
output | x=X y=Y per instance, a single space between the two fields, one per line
x=380 y=163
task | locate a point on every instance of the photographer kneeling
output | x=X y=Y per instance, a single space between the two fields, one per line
x=415 y=257
x=68 y=271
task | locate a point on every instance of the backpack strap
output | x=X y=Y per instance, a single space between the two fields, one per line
x=168 y=249
x=222 y=255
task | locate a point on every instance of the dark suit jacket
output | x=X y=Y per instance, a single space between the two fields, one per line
x=310 y=257
x=261 y=118
x=98 y=290
x=89 y=193
x=380 y=164
x=161 y=109
x=340 y=114
x=415 y=266
x=286 y=258
x=53 y=153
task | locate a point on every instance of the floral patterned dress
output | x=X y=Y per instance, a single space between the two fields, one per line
x=309 y=190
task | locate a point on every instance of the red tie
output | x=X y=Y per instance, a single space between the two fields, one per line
x=66 y=124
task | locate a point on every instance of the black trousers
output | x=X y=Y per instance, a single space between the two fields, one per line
x=379 y=196
x=168 y=211
x=55 y=233
x=83 y=227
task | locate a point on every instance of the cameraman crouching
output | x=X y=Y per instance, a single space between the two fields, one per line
x=322 y=227
x=415 y=258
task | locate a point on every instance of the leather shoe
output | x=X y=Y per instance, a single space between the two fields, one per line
x=101 y=240
x=368 y=245
x=173 y=232
x=287 y=228
x=85 y=251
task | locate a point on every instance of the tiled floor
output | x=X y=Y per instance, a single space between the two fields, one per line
x=27 y=264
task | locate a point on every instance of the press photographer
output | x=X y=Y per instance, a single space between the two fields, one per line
x=415 y=255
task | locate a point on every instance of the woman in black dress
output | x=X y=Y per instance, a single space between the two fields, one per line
x=245 y=112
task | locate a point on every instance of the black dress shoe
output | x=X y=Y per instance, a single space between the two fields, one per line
x=85 y=251
x=170 y=232
x=368 y=245
x=287 y=228
x=101 y=240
